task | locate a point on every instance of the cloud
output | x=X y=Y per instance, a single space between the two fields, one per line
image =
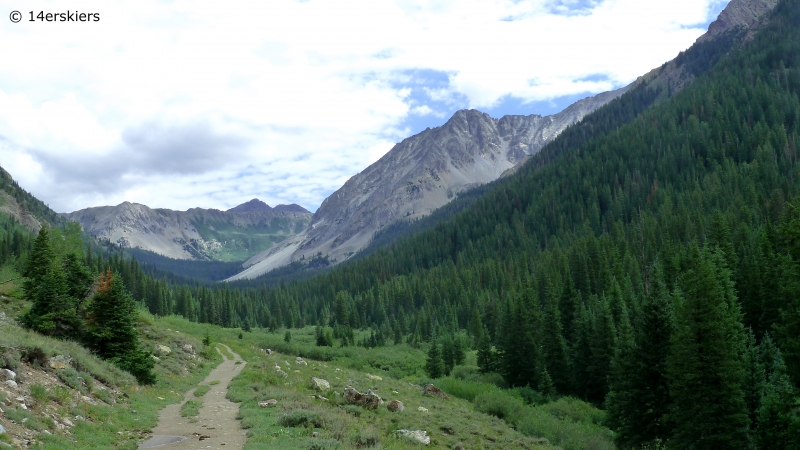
x=182 y=104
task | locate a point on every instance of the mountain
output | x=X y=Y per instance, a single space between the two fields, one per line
x=419 y=175
x=198 y=234
x=26 y=209
x=426 y=171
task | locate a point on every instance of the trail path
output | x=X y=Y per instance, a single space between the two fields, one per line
x=216 y=426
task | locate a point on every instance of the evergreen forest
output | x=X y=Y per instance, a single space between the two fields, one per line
x=646 y=261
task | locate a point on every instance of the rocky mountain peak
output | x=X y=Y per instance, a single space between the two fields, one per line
x=254 y=205
x=738 y=14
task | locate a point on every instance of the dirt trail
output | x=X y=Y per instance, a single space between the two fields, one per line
x=216 y=426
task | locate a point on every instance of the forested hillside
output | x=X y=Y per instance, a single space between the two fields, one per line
x=646 y=261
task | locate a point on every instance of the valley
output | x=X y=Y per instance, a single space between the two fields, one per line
x=623 y=274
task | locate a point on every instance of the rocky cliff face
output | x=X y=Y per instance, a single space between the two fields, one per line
x=202 y=234
x=420 y=174
x=738 y=14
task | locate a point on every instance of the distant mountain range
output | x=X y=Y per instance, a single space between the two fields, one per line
x=199 y=234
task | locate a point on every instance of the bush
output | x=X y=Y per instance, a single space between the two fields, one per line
x=71 y=378
x=501 y=405
x=301 y=418
x=565 y=433
x=60 y=395
x=324 y=444
x=11 y=359
x=201 y=390
x=574 y=410
x=365 y=440
x=39 y=393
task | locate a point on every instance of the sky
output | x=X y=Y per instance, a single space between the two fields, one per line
x=181 y=104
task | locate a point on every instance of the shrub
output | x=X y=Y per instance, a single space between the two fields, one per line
x=11 y=359
x=191 y=408
x=71 y=378
x=103 y=395
x=572 y=409
x=365 y=440
x=501 y=405
x=353 y=410
x=60 y=394
x=301 y=418
x=324 y=444
x=564 y=433
x=39 y=393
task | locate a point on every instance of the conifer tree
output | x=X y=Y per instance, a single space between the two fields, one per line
x=111 y=331
x=778 y=419
x=487 y=358
x=704 y=364
x=434 y=366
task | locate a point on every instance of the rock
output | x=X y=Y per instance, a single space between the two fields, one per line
x=434 y=391
x=60 y=362
x=2 y=429
x=155 y=358
x=187 y=348
x=67 y=422
x=369 y=400
x=395 y=406
x=10 y=383
x=267 y=351
x=269 y=402
x=422 y=409
x=282 y=373
x=374 y=377
x=418 y=436
x=318 y=384
x=6 y=375
x=161 y=350
x=299 y=361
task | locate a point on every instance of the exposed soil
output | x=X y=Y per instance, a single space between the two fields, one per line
x=215 y=428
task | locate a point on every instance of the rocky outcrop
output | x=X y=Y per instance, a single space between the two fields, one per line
x=318 y=384
x=738 y=14
x=200 y=234
x=419 y=175
x=434 y=391
x=417 y=436
x=369 y=400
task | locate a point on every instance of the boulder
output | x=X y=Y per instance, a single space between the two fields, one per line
x=395 y=406
x=369 y=400
x=188 y=348
x=418 y=436
x=434 y=391
x=161 y=350
x=10 y=383
x=422 y=409
x=60 y=362
x=268 y=352
x=282 y=373
x=318 y=384
x=300 y=361
x=6 y=374
x=2 y=429
x=269 y=402
x=374 y=377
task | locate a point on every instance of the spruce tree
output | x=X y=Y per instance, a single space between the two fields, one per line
x=704 y=364
x=778 y=419
x=487 y=358
x=111 y=331
x=434 y=366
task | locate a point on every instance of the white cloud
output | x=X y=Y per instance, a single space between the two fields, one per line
x=181 y=104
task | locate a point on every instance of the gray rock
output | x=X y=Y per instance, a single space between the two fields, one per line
x=2 y=429
x=161 y=350
x=319 y=384
x=434 y=391
x=300 y=361
x=59 y=362
x=418 y=436
x=11 y=383
x=270 y=402
x=187 y=348
x=6 y=374
x=395 y=406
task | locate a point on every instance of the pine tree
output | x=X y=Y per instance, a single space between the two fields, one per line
x=111 y=331
x=487 y=358
x=778 y=419
x=704 y=363
x=434 y=366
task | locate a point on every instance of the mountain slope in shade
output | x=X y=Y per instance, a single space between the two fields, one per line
x=201 y=234
x=419 y=175
x=251 y=206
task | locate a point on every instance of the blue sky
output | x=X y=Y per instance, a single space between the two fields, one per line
x=186 y=104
